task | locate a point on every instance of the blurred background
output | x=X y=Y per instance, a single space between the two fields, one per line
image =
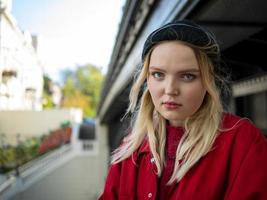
x=66 y=68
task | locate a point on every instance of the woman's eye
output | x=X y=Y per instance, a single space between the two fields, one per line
x=157 y=75
x=188 y=77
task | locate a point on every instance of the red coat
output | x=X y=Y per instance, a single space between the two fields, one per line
x=236 y=169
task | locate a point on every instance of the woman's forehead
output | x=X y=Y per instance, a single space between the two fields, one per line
x=171 y=53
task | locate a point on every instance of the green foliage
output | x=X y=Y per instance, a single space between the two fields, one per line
x=47 y=101
x=31 y=147
x=7 y=155
x=65 y=124
x=47 y=83
x=11 y=156
x=82 y=89
x=47 y=93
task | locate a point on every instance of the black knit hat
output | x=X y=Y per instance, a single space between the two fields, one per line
x=186 y=31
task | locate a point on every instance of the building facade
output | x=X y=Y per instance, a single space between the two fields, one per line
x=21 y=73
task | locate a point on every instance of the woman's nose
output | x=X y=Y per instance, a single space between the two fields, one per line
x=171 y=87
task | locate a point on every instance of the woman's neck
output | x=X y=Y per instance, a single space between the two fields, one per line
x=176 y=123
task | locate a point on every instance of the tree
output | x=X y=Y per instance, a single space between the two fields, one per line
x=47 y=93
x=82 y=89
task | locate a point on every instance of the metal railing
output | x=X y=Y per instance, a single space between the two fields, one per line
x=30 y=169
x=7 y=184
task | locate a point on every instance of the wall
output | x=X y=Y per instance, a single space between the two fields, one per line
x=35 y=123
x=102 y=157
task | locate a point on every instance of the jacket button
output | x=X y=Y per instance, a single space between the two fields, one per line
x=152 y=160
x=149 y=195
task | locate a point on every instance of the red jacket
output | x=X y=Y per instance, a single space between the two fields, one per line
x=235 y=169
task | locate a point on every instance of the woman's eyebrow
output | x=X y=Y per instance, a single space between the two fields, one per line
x=180 y=71
x=156 y=68
x=189 y=70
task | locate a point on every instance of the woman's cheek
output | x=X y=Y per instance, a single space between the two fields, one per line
x=195 y=95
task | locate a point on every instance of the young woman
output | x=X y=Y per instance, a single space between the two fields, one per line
x=183 y=145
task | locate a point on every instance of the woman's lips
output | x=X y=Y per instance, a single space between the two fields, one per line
x=171 y=105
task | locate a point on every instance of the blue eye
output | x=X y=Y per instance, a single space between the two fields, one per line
x=157 y=75
x=188 y=77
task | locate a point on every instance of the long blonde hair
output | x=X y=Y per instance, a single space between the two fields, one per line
x=200 y=129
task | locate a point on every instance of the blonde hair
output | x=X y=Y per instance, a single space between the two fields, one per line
x=200 y=129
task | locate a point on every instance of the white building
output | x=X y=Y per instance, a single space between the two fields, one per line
x=21 y=74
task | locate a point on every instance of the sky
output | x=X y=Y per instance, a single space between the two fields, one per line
x=71 y=32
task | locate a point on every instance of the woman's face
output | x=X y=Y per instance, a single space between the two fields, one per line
x=174 y=82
